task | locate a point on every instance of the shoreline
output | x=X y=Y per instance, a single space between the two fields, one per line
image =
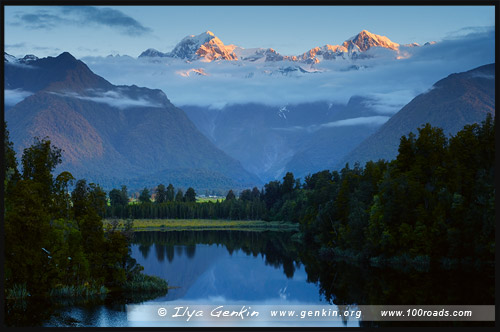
x=162 y=225
x=142 y=283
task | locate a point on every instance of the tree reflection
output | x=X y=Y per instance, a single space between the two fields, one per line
x=340 y=283
x=276 y=247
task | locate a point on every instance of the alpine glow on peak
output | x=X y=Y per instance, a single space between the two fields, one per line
x=207 y=47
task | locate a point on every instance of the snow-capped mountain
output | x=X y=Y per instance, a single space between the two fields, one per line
x=261 y=55
x=151 y=52
x=196 y=71
x=327 y=52
x=113 y=134
x=366 y=40
x=353 y=48
x=9 y=58
x=207 y=47
x=12 y=59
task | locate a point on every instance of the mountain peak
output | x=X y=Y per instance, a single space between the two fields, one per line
x=28 y=58
x=365 y=40
x=459 y=99
x=66 y=56
x=71 y=105
x=199 y=40
x=205 y=46
x=63 y=72
x=8 y=57
x=151 y=52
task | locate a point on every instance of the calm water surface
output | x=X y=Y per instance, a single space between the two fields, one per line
x=211 y=268
x=254 y=268
x=229 y=267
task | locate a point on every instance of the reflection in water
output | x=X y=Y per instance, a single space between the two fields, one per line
x=211 y=267
x=343 y=283
x=236 y=265
x=277 y=247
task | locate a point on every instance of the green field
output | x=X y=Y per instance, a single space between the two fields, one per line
x=204 y=224
x=209 y=199
x=198 y=200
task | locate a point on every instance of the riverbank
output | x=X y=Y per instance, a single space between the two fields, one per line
x=139 y=283
x=404 y=262
x=203 y=224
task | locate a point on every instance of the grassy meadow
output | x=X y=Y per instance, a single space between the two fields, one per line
x=202 y=224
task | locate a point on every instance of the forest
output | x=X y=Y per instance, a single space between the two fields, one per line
x=434 y=203
x=55 y=243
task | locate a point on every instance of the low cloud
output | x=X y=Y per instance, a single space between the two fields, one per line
x=467 y=31
x=12 y=97
x=481 y=75
x=19 y=49
x=57 y=17
x=375 y=120
x=367 y=120
x=16 y=45
x=112 y=98
x=388 y=83
x=388 y=103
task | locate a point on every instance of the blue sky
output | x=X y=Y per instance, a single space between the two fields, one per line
x=291 y=30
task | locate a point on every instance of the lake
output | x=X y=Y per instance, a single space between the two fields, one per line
x=256 y=271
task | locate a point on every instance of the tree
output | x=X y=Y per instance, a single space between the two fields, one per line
x=115 y=197
x=255 y=193
x=27 y=239
x=89 y=202
x=98 y=199
x=10 y=163
x=145 y=196
x=179 y=197
x=230 y=195
x=38 y=161
x=79 y=199
x=288 y=183
x=246 y=195
x=55 y=239
x=161 y=194
x=28 y=206
x=170 y=193
x=272 y=193
x=62 y=199
x=190 y=195
x=124 y=195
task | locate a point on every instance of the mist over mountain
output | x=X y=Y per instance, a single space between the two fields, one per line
x=393 y=75
x=244 y=111
x=309 y=137
x=303 y=138
x=207 y=47
x=111 y=134
x=451 y=103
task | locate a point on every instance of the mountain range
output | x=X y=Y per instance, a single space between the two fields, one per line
x=207 y=47
x=302 y=138
x=451 y=103
x=113 y=135
x=309 y=137
x=125 y=134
